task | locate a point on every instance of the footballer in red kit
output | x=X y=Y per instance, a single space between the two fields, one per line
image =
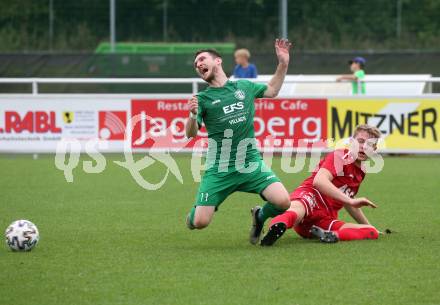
x=332 y=186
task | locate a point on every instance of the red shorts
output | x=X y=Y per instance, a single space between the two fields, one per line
x=318 y=212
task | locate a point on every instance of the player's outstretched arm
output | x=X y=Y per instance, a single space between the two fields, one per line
x=346 y=77
x=282 y=47
x=357 y=214
x=362 y=202
x=192 y=126
x=323 y=183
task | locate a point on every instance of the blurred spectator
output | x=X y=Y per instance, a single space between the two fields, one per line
x=244 y=69
x=357 y=66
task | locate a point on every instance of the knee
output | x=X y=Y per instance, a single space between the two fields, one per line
x=201 y=216
x=194 y=222
x=284 y=201
x=277 y=195
x=201 y=222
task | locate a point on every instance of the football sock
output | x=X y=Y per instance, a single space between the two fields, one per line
x=357 y=234
x=191 y=215
x=288 y=217
x=269 y=210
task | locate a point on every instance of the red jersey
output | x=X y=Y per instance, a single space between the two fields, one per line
x=347 y=176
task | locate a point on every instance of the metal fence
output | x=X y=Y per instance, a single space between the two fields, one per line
x=193 y=83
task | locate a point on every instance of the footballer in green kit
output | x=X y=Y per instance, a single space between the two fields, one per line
x=233 y=160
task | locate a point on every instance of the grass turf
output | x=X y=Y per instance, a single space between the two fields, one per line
x=105 y=240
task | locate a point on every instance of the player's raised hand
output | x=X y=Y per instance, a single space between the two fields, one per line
x=282 y=47
x=193 y=104
x=360 y=202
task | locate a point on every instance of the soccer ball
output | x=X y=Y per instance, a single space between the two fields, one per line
x=22 y=235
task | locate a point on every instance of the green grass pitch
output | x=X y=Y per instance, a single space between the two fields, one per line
x=105 y=240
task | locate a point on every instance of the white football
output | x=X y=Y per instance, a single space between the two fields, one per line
x=22 y=235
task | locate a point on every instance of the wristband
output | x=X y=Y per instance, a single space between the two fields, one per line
x=192 y=115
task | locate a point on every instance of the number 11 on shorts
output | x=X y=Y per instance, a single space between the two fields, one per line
x=203 y=197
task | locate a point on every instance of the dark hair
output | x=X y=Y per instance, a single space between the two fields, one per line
x=213 y=53
x=362 y=65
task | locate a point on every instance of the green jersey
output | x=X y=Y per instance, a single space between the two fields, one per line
x=358 y=86
x=228 y=113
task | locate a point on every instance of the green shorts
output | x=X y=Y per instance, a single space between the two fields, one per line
x=216 y=187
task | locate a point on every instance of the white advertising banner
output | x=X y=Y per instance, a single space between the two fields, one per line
x=37 y=124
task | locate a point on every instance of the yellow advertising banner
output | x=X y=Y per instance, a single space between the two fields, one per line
x=411 y=124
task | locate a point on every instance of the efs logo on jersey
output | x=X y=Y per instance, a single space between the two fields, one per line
x=239 y=95
x=31 y=121
x=231 y=108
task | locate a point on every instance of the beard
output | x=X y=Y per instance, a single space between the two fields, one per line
x=211 y=76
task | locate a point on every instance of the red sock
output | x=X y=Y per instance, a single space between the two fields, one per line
x=357 y=234
x=288 y=217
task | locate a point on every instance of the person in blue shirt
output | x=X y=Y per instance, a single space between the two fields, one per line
x=244 y=69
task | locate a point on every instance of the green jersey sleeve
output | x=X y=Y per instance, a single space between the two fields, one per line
x=360 y=74
x=258 y=89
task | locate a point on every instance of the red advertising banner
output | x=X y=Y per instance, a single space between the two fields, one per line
x=284 y=122
x=160 y=124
